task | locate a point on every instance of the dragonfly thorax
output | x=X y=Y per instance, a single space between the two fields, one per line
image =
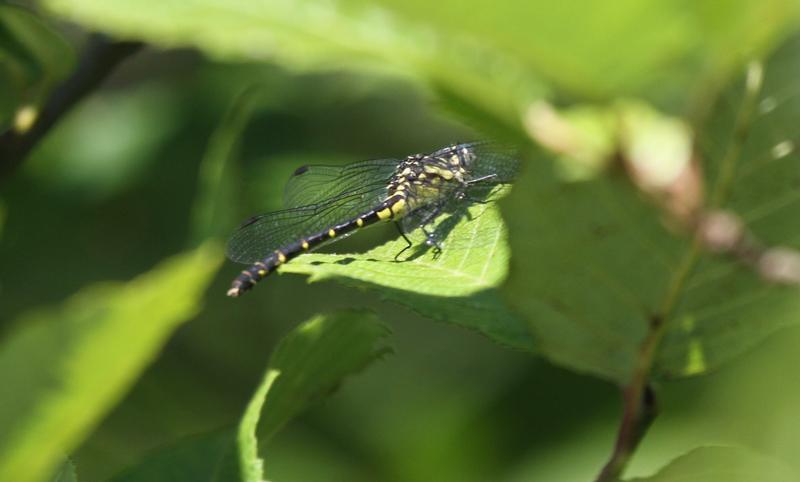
x=424 y=179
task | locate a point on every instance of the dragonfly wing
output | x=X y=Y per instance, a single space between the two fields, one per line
x=316 y=183
x=493 y=159
x=261 y=235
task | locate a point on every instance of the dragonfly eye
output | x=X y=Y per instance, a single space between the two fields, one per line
x=467 y=157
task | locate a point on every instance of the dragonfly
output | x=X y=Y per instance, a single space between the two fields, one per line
x=324 y=204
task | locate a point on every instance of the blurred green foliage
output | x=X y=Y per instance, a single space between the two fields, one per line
x=33 y=58
x=203 y=129
x=67 y=366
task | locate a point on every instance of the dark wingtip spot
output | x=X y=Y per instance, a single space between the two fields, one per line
x=300 y=170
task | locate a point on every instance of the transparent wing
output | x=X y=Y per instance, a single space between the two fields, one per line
x=261 y=235
x=492 y=158
x=316 y=183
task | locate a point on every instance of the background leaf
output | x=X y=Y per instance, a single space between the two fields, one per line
x=602 y=263
x=325 y=35
x=201 y=458
x=721 y=464
x=307 y=365
x=67 y=367
x=299 y=374
x=672 y=39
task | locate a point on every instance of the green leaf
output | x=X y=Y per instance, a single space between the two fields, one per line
x=459 y=286
x=590 y=258
x=314 y=34
x=307 y=365
x=69 y=365
x=474 y=258
x=596 y=263
x=722 y=464
x=728 y=306
x=601 y=49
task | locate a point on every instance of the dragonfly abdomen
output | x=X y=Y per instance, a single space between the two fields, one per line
x=394 y=206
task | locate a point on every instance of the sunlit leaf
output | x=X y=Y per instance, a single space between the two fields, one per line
x=597 y=48
x=67 y=366
x=474 y=258
x=457 y=286
x=307 y=365
x=314 y=34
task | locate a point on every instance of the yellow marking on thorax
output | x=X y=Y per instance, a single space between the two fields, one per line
x=262 y=272
x=304 y=245
x=445 y=174
x=360 y=222
x=332 y=233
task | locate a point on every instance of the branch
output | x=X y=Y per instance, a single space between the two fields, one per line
x=639 y=399
x=99 y=58
x=639 y=407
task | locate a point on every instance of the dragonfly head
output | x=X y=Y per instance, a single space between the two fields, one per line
x=467 y=156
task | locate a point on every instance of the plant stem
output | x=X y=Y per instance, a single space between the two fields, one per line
x=639 y=402
x=640 y=407
x=99 y=58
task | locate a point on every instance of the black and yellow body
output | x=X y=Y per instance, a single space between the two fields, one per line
x=392 y=207
x=413 y=188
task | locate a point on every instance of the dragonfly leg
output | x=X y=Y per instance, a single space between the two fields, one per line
x=481 y=179
x=431 y=239
x=408 y=241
